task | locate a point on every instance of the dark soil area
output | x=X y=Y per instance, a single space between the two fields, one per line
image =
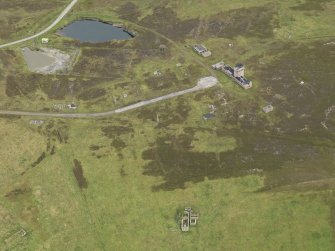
x=167 y=113
x=309 y=5
x=56 y=87
x=12 y=24
x=55 y=131
x=171 y=157
x=307 y=102
x=29 y=6
x=93 y=93
x=79 y=174
x=147 y=44
x=123 y=172
x=8 y=59
x=118 y=143
x=255 y=21
x=39 y=160
x=104 y=62
x=319 y=166
x=286 y=156
x=113 y=131
x=165 y=21
x=129 y=11
x=12 y=195
x=94 y=147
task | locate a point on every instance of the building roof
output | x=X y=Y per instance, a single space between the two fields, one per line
x=218 y=66
x=239 y=65
x=206 y=54
x=200 y=48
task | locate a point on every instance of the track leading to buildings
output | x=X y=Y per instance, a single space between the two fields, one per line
x=203 y=83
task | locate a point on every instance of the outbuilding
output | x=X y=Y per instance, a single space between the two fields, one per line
x=202 y=50
x=45 y=40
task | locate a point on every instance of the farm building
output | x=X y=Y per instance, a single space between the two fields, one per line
x=236 y=73
x=202 y=50
x=189 y=218
x=239 y=70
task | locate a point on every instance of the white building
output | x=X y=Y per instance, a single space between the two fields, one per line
x=45 y=40
x=218 y=66
x=239 y=70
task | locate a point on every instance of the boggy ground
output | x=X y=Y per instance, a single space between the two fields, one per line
x=102 y=76
x=172 y=158
x=303 y=77
x=259 y=181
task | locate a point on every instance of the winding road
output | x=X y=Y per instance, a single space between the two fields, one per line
x=203 y=83
x=59 y=18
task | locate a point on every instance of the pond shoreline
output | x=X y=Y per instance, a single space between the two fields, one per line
x=79 y=34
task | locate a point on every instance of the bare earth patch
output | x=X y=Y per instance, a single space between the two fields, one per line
x=45 y=60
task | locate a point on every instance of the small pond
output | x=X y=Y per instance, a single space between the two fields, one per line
x=94 y=31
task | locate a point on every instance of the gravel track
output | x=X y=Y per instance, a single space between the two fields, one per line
x=203 y=83
x=59 y=18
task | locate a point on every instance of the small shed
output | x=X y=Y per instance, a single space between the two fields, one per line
x=199 y=48
x=45 y=40
x=162 y=47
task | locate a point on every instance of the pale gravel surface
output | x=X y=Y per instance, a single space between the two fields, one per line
x=203 y=83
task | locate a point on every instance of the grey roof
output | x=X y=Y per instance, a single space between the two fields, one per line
x=199 y=48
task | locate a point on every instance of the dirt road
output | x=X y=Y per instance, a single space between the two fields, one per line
x=59 y=18
x=203 y=83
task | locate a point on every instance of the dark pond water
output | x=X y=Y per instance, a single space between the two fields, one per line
x=94 y=31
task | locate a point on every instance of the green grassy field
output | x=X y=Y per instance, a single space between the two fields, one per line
x=259 y=181
x=20 y=18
